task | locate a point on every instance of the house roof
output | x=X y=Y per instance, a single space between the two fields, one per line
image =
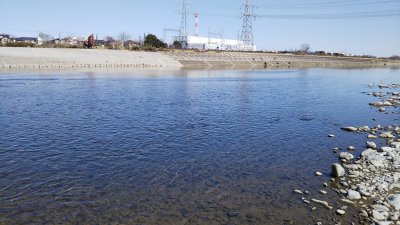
x=26 y=39
x=5 y=36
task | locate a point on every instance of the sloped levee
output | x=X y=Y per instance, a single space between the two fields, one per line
x=192 y=59
x=37 y=58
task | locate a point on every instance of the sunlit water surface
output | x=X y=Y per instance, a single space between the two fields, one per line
x=186 y=147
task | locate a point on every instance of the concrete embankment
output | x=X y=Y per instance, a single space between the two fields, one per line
x=192 y=59
x=55 y=58
x=58 y=58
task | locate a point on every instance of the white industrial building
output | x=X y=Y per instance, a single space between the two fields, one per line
x=205 y=43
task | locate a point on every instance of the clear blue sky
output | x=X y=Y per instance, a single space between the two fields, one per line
x=368 y=35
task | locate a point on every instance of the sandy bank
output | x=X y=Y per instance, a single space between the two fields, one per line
x=30 y=58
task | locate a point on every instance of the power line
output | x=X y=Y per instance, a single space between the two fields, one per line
x=368 y=14
x=328 y=4
x=349 y=15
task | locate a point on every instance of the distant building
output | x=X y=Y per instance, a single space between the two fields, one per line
x=33 y=40
x=71 y=41
x=205 y=43
x=5 y=38
x=130 y=44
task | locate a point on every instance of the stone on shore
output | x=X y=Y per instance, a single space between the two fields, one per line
x=371 y=144
x=345 y=155
x=340 y=212
x=353 y=129
x=351 y=148
x=394 y=201
x=377 y=215
x=337 y=170
x=298 y=191
x=353 y=195
x=323 y=203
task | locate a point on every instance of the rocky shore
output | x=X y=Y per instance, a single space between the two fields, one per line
x=368 y=182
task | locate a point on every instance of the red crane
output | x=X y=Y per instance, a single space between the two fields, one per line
x=89 y=42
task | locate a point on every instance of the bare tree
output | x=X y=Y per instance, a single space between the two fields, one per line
x=123 y=37
x=305 y=48
x=45 y=37
x=109 y=38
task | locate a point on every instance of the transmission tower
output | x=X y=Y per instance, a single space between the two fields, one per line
x=196 y=25
x=184 y=27
x=247 y=28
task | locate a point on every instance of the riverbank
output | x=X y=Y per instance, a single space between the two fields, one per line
x=64 y=58
x=78 y=59
x=368 y=180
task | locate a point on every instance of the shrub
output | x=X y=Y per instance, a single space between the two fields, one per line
x=20 y=44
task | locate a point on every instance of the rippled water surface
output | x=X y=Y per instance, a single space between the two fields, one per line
x=185 y=147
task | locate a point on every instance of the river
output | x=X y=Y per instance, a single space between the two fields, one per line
x=177 y=147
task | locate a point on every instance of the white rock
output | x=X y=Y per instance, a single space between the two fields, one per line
x=353 y=195
x=345 y=155
x=380 y=208
x=298 y=191
x=386 y=135
x=349 y=129
x=318 y=174
x=385 y=223
x=367 y=152
x=395 y=145
x=340 y=212
x=323 y=203
x=363 y=213
x=394 y=201
x=371 y=144
x=377 y=215
x=386 y=149
x=337 y=170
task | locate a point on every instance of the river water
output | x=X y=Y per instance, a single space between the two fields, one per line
x=177 y=147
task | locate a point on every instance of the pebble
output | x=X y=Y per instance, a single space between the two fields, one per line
x=353 y=129
x=351 y=148
x=323 y=192
x=371 y=144
x=377 y=215
x=298 y=191
x=340 y=212
x=353 y=195
x=323 y=203
x=345 y=155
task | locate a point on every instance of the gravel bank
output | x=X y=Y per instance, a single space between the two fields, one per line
x=368 y=182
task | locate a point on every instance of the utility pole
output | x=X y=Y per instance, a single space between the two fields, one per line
x=184 y=29
x=248 y=17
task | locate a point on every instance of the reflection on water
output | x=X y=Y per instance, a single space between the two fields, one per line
x=188 y=147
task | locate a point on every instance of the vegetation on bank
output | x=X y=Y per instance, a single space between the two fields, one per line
x=152 y=43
